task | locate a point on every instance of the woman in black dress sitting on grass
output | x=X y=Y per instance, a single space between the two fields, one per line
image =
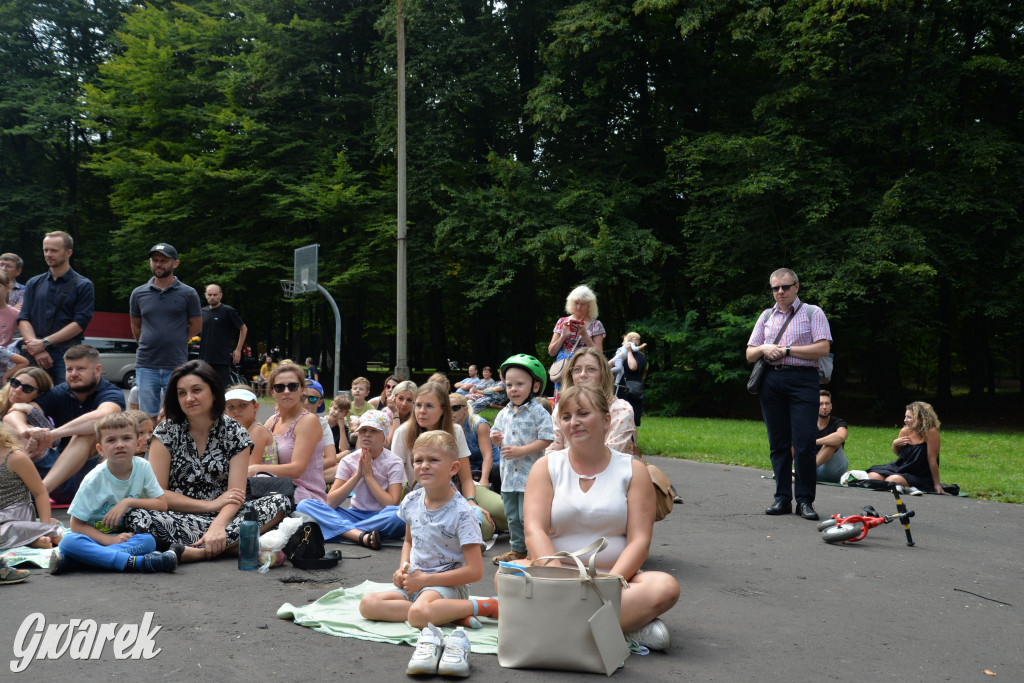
x=917 y=467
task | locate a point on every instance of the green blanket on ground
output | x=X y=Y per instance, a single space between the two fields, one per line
x=40 y=557
x=337 y=614
x=23 y=554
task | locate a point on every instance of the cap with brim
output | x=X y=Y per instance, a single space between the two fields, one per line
x=319 y=389
x=240 y=395
x=165 y=249
x=375 y=419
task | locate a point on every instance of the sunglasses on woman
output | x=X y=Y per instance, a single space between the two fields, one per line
x=457 y=407
x=27 y=388
x=291 y=386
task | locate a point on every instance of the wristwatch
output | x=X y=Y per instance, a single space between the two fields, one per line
x=46 y=342
x=787 y=350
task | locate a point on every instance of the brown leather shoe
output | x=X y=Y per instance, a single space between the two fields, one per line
x=510 y=556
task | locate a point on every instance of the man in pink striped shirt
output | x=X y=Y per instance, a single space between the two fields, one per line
x=789 y=393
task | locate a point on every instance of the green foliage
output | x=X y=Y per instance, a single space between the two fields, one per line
x=694 y=363
x=48 y=50
x=670 y=155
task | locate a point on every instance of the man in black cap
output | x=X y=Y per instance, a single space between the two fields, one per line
x=165 y=313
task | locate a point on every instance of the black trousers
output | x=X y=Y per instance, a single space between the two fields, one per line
x=789 y=405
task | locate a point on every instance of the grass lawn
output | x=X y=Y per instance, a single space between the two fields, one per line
x=984 y=464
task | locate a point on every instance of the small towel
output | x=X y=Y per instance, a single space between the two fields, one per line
x=337 y=614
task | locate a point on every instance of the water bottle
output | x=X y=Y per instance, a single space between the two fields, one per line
x=249 y=542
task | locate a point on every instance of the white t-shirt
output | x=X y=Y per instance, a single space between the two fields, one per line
x=438 y=535
x=101 y=490
x=387 y=470
x=325 y=427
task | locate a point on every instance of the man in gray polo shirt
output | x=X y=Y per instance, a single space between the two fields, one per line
x=165 y=313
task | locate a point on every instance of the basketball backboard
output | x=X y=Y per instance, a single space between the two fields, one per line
x=306 y=259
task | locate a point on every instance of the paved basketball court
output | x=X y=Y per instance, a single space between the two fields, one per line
x=763 y=599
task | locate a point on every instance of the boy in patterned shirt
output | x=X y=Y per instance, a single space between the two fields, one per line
x=522 y=430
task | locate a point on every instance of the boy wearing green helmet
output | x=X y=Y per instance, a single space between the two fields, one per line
x=522 y=430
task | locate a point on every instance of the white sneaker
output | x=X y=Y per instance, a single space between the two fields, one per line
x=900 y=489
x=455 y=660
x=653 y=636
x=914 y=491
x=428 y=652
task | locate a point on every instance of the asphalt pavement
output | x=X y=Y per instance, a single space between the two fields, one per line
x=763 y=599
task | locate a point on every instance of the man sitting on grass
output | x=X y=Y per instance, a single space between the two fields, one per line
x=831 y=460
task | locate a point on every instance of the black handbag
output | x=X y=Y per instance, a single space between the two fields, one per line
x=306 y=550
x=761 y=366
x=266 y=484
x=630 y=389
x=757 y=376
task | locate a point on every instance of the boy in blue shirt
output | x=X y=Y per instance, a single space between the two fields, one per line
x=522 y=430
x=120 y=482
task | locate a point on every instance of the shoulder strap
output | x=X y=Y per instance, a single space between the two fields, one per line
x=578 y=339
x=291 y=429
x=784 y=326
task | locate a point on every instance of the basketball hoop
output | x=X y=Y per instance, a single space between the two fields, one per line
x=291 y=288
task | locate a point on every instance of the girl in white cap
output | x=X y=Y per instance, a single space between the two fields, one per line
x=241 y=405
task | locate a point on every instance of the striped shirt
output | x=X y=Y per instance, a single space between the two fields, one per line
x=803 y=331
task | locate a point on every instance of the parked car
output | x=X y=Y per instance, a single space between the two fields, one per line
x=117 y=357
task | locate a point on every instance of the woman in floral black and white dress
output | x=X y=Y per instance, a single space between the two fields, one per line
x=200 y=457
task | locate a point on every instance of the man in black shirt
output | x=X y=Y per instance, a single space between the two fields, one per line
x=57 y=308
x=832 y=432
x=220 y=322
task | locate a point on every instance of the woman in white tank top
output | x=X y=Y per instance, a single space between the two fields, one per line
x=589 y=490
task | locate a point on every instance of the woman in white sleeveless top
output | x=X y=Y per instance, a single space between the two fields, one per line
x=589 y=490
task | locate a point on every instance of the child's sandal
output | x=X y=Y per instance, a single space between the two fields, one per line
x=373 y=543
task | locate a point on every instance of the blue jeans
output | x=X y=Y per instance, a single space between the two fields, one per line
x=152 y=383
x=789 y=404
x=56 y=371
x=86 y=551
x=334 y=522
x=513 y=503
x=834 y=468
